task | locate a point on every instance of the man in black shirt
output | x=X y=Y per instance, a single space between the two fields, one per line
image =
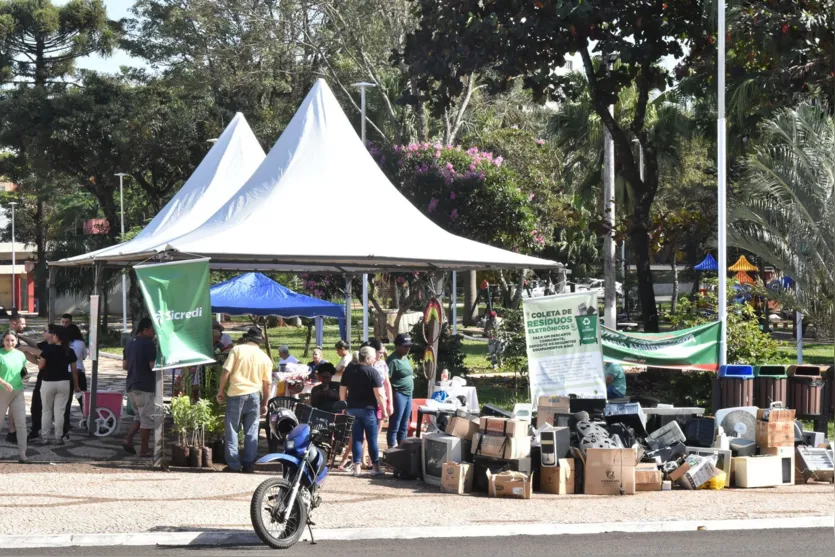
x=140 y=354
x=362 y=389
x=324 y=395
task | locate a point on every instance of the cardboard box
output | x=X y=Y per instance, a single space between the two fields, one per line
x=501 y=447
x=776 y=415
x=679 y=472
x=504 y=427
x=559 y=479
x=462 y=427
x=549 y=407
x=758 y=471
x=457 y=477
x=509 y=485
x=648 y=477
x=610 y=470
x=775 y=434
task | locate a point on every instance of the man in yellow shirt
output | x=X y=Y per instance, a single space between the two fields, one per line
x=248 y=373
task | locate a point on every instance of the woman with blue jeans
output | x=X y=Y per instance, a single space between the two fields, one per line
x=362 y=389
x=402 y=379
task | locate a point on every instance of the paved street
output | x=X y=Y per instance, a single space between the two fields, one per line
x=120 y=497
x=762 y=543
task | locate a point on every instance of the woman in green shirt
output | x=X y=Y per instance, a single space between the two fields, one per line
x=12 y=361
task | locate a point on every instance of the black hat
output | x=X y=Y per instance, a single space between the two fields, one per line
x=255 y=335
x=403 y=339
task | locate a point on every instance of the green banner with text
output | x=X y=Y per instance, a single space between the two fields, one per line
x=178 y=300
x=694 y=348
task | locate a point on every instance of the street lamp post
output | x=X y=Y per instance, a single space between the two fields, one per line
x=14 y=262
x=362 y=86
x=721 y=143
x=121 y=176
x=609 y=266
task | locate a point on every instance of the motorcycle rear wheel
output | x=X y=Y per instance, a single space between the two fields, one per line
x=268 y=501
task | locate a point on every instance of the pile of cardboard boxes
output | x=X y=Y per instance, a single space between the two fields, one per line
x=617 y=453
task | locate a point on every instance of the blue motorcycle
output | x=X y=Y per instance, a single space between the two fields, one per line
x=280 y=508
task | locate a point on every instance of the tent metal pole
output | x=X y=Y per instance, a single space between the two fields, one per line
x=365 y=307
x=98 y=273
x=454 y=303
x=348 y=304
x=320 y=333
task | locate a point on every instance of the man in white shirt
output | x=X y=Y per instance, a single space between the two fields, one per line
x=284 y=356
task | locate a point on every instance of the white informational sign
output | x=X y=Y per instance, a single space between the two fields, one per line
x=94 y=328
x=565 y=354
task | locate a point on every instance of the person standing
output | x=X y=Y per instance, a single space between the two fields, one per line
x=344 y=353
x=402 y=378
x=362 y=389
x=17 y=324
x=141 y=386
x=383 y=369
x=78 y=346
x=57 y=383
x=615 y=380
x=11 y=387
x=248 y=373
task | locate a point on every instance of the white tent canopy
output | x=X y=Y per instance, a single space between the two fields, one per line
x=355 y=218
x=319 y=203
x=224 y=169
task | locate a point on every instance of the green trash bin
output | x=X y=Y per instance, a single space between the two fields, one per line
x=771 y=384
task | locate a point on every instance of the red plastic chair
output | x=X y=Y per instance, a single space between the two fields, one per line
x=416 y=403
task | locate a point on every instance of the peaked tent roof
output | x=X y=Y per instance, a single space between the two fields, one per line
x=744 y=278
x=742 y=264
x=708 y=264
x=256 y=294
x=319 y=167
x=227 y=165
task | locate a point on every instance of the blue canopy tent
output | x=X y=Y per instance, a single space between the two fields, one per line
x=257 y=294
x=709 y=264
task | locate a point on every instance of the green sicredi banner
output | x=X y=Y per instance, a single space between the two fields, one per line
x=177 y=296
x=694 y=348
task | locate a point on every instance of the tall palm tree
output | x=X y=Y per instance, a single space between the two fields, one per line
x=785 y=211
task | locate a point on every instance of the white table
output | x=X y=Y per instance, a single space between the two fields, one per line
x=469 y=393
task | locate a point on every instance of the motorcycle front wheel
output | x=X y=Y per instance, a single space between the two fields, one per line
x=268 y=503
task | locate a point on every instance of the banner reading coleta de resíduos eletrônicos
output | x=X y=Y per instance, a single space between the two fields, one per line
x=563 y=343
x=178 y=300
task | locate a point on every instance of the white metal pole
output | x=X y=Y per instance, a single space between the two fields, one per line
x=14 y=261
x=721 y=143
x=362 y=87
x=121 y=176
x=799 y=330
x=609 y=267
x=454 y=302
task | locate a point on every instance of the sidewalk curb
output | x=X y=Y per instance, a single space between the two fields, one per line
x=238 y=537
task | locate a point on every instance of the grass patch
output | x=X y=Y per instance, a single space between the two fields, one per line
x=813 y=353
